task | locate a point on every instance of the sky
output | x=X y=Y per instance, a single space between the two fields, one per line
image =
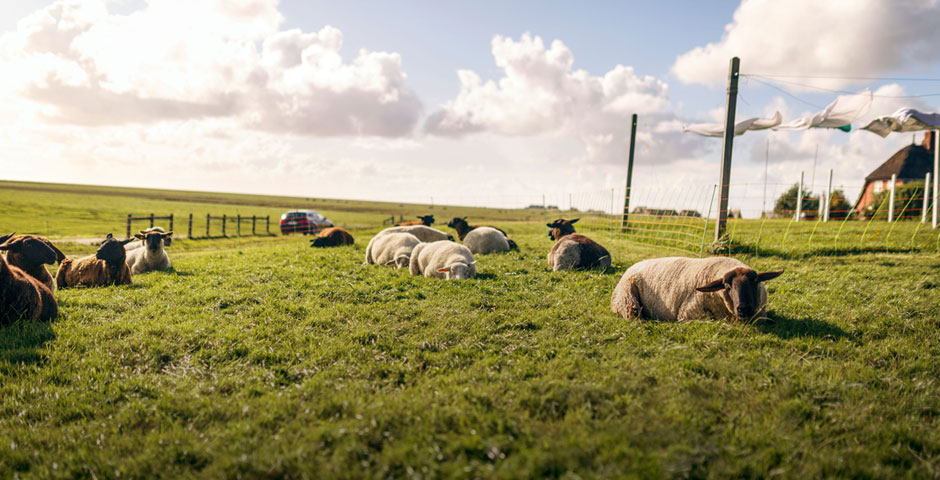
x=478 y=103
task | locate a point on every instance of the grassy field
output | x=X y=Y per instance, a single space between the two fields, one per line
x=265 y=358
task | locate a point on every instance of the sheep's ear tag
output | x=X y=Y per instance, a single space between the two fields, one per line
x=443 y=270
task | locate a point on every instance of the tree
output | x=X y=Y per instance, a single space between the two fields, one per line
x=839 y=207
x=786 y=203
x=909 y=195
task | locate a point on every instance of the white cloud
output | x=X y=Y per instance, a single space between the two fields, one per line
x=177 y=60
x=539 y=93
x=808 y=37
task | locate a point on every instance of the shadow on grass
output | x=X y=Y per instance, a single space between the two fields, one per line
x=20 y=342
x=486 y=276
x=786 y=328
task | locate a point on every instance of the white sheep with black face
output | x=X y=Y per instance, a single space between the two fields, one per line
x=148 y=254
x=446 y=260
x=683 y=289
x=391 y=249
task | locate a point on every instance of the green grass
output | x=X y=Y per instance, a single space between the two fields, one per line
x=261 y=357
x=276 y=360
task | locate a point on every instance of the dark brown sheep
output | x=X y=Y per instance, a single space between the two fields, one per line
x=573 y=251
x=31 y=253
x=106 y=267
x=426 y=220
x=463 y=228
x=22 y=296
x=332 y=237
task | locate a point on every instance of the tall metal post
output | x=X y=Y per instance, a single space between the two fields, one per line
x=828 y=198
x=799 y=199
x=722 y=221
x=894 y=181
x=926 y=200
x=936 y=173
x=626 y=196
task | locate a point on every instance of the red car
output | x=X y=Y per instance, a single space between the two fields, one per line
x=308 y=222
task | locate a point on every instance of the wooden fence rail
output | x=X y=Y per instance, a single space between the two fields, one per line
x=224 y=220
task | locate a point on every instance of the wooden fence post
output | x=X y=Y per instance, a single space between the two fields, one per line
x=208 y=217
x=238 y=225
x=128 y=226
x=171 y=222
x=151 y=220
x=252 y=224
x=267 y=224
x=189 y=231
x=224 y=219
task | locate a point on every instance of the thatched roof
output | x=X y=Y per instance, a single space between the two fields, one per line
x=911 y=162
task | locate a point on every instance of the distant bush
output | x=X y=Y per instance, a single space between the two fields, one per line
x=909 y=195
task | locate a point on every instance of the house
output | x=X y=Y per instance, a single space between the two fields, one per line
x=910 y=163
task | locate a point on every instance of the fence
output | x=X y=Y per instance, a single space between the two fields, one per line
x=151 y=218
x=223 y=220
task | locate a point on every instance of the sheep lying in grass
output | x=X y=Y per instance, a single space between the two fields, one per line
x=105 y=267
x=31 y=253
x=425 y=234
x=332 y=237
x=447 y=260
x=149 y=254
x=573 y=251
x=483 y=240
x=426 y=220
x=682 y=289
x=391 y=249
x=22 y=296
x=463 y=229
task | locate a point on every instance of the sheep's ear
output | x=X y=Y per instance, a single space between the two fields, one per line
x=712 y=287
x=443 y=270
x=139 y=236
x=550 y=225
x=464 y=218
x=574 y=221
x=59 y=256
x=125 y=242
x=7 y=237
x=764 y=276
x=142 y=232
x=109 y=237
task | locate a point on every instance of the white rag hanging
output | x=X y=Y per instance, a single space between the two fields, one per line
x=718 y=129
x=904 y=120
x=839 y=114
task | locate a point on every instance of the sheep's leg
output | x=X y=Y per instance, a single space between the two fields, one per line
x=627 y=302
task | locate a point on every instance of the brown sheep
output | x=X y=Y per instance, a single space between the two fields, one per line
x=463 y=228
x=573 y=251
x=426 y=220
x=332 y=237
x=23 y=296
x=31 y=253
x=106 y=267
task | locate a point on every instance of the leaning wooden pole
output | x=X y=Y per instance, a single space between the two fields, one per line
x=626 y=196
x=722 y=220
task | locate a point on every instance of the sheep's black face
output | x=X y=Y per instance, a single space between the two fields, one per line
x=561 y=227
x=154 y=241
x=318 y=242
x=32 y=250
x=740 y=291
x=427 y=220
x=457 y=223
x=112 y=250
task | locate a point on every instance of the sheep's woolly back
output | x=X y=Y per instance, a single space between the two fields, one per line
x=483 y=240
x=385 y=249
x=22 y=296
x=576 y=251
x=665 y=289
x=425 y=234
x=428 y=258
x=91 y=272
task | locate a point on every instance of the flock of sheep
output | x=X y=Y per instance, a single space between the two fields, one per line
x=670 y=289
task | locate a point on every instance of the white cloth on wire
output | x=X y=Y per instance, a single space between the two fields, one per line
x=844 y=110
x=718 y=129
x=904 y=120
